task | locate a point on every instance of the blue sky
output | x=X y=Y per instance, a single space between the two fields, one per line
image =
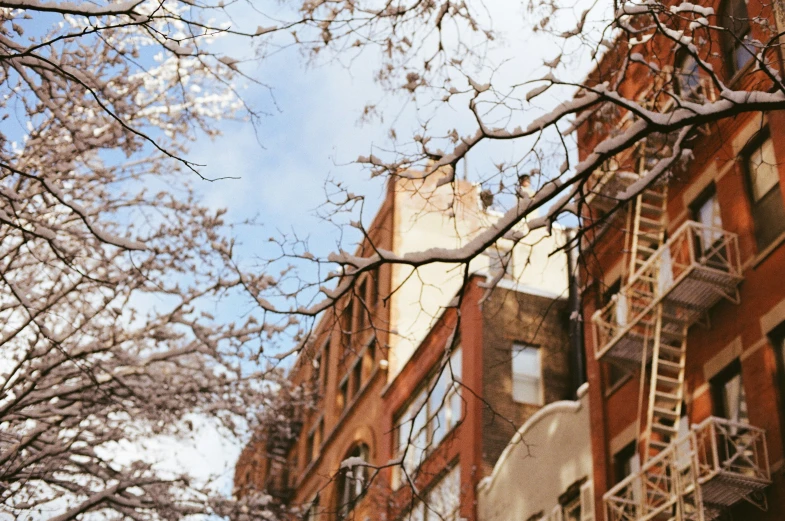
x=313 y=133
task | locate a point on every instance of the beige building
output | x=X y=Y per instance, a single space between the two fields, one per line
x=546 y=470
x=431 y=217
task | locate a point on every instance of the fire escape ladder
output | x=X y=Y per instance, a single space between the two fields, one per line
x=648 y=226
x=666 y=386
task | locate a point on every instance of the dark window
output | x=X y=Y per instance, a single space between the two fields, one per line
x=369 y=358
x=373 y=288
x=362 y=304
x=312 y=514
x=314 y=441
x=778 y=342
x=352 y=480
x=309 y=447
x=768 y=209
x=347 y=326
x=325 y=362
x=343 y=394
x=736 y=42
x=609 y=292
x=730 y=400
x=687 y=76
x=626 y=462
x=356 y=379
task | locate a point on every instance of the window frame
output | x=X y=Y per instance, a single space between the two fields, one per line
x=756 y=144
x=520 y=347
x=695 y=94
x=621 y=457
x=348 y=500
x=406 y=416
x=717 y=385
x=777 y=340
x=428 y=514
x=731 y=42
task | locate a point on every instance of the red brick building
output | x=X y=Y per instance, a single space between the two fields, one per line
x=468 y=387
x=428 y=411
x=688 y=282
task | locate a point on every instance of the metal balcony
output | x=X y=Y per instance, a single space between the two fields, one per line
x=689 y=274
x=731 y=459
x=717 y=465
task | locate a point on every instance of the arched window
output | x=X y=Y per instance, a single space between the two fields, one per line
x=687 y=75
x=736 y=47
x=353 y=479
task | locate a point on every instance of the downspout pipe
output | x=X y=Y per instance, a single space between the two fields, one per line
x=577 y=354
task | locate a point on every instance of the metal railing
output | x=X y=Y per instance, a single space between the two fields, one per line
x=694 y=249
x=670 y=485
x=731 y=448
x=647 y=493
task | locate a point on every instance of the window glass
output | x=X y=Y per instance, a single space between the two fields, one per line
x=687 y=75
x=445 y=497
x=763 y=170
x=738 y=49
x=312 y=514
x=443 y=500
x=708 y=214
x=734 y=400
x=353 y=480
x=526 y=374
x=357 y=375
x=768 y=209
x=572 y=510
x=424 y=423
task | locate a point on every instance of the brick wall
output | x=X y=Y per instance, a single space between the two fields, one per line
x=509 y=317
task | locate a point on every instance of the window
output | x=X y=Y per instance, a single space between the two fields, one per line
x=343 y=394
x=526 y=374
x=613 y=293
x=442 y=501
x=309 y=447
x=356 y=379
x=369 y=358
x=768 y=210
x=576 y=503
x=362 y=312
x=730 y=400
x=706 y=211
x=353 y=477
x=625 y=462
x=325 y=362
x=347 y=326
x=778 y=342
x=314 y=441
x=373 y=288
x=435 y=410
x=687 y=76
x=736 y=45
x=312 y=514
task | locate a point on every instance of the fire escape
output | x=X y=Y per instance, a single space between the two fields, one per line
x=671 y=284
